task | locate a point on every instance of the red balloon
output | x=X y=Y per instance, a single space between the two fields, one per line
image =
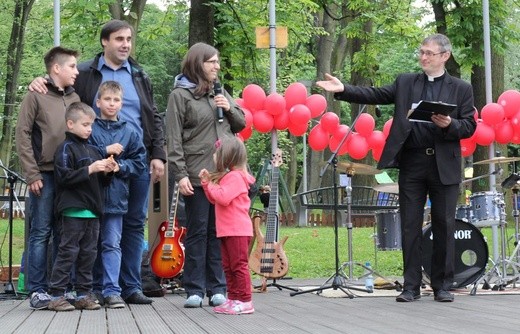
x=254 y=97
x=475 y=115
x=484 y=134
x=357 y=146
x=515 y=121
x=510 y=101
x=316 y=104
x=298 y=129
x=329 y=122
x=281 y=122
x=295 y=94
x=341 y=131
x=334 y=143
x=318 y=138
x=248 y=116
x=263 y=121
x=299 y=114
x=516 y=137
x=467 y=147
x=246 y=133
x=492 y=113
x=376 y=153
x=365 y=124
x=376 y=140
x=504 y=132
x=387 y=126
x=274 y=104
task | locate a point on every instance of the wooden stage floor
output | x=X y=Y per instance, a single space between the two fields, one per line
x=278 y=312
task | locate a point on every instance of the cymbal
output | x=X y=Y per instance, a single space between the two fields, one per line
x=497 y=160
x=392 y=188
x=357 y=168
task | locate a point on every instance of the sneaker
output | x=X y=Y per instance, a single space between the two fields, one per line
x=217 y=299
x=60 y=304
x=223 y=307
x=114 y=301
x=87 y=302
x=70 y=297
x=193 y=301
x=236 y=307
x=40 y=300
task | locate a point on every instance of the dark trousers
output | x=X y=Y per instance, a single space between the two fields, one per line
x=235 y=260
x=78 y=249
x=203 y=273
x=419 y=178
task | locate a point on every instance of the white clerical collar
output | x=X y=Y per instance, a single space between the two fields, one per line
x=431 y=79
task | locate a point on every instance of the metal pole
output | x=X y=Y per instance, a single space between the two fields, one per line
x=489 y=99
x=489 y=88
x=57 y=31
x=272 y=63
x=272 y=74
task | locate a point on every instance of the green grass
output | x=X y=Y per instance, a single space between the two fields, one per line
x=18 y=241
x=310 y=250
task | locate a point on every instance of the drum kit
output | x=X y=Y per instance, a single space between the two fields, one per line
x=485 y=209
x=471 y=250
x=506 y=269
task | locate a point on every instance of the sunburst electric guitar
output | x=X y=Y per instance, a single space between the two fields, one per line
x=269 y=259
x=167 y=258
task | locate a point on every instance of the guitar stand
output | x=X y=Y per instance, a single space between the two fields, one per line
x=263 y=287
x=173 y=284
x=338 y=280
x=501 y=267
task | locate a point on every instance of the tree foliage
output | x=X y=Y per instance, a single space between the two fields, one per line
x=15 y=51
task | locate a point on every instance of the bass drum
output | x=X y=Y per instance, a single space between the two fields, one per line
x=471 y=253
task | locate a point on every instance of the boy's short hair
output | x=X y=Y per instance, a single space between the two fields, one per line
x=77 y=109
x=110 y=86
x=57 y=55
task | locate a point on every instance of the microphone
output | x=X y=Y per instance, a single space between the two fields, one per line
x=217 y=89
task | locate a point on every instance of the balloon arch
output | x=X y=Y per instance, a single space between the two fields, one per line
x=292 y=111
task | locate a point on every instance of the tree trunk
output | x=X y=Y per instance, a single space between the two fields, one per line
x=357 y=44
x=117 y=10
x=325 y=47
x=497 y=85
x=14 y=59
x=330 y=57
x=202 y=22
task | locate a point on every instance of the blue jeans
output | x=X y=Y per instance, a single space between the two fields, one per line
x=108 y=261
x=42 y=226
x=132 y=238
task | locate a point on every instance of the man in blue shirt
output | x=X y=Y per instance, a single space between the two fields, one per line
x=139 y=110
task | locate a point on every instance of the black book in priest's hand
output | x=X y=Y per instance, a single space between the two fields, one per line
x=423 y=111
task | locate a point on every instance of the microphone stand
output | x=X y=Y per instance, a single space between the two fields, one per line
x=338 y=279
x=9 y=290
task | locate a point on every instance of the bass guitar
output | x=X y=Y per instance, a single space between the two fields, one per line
x=167 y=258
x=269 y=259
